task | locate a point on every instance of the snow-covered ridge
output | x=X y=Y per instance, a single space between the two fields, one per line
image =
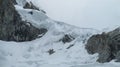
x=36 y=53
x=96 y=14
x=39 y=19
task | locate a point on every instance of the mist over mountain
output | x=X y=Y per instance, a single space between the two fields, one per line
x=98 y=14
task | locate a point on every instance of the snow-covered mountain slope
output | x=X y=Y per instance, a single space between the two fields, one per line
x=96 y=14
x=49 y=50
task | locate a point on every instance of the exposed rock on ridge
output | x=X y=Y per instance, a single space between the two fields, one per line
x=14 y=2
x=12 y=28
x=30 y=6
x=107 y=45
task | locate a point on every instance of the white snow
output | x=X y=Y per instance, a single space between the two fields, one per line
x=97 y=14
x=35 y=53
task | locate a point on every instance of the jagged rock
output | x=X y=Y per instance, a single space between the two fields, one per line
x=43 y=11
x=51 y=51
x=31 y=12
x=107 y=45
x=30 y=6
x=99 y=44
x=115 y=43
x=14 y=2
x=67 y=38
x=118 y=56
x=70 y=46
x=12 y=28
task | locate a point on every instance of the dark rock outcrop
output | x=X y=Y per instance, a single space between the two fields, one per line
x=70 y=46
x=107 y=45
x=30 y=6
x=14 y=2
x=51 y=51
x=12 y=28
x=67 y=38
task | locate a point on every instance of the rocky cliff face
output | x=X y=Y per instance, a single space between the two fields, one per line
x=12 y=28
x=106 y=44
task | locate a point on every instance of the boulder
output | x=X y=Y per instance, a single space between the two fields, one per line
x=51 y=51
x=107 y=45
x=67 y=38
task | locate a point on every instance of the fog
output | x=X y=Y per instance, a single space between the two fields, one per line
x=96 y=14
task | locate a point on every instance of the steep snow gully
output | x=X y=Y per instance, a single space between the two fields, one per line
x=63 y=45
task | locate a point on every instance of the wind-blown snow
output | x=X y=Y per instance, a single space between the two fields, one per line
x=35 y=53
x=96 y=14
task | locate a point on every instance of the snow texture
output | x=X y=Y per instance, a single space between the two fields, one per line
x=35 y=53
x=97 y=14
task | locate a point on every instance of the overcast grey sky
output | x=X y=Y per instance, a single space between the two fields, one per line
x=83 y=13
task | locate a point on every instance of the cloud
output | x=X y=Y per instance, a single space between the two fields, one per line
x=83 y=13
